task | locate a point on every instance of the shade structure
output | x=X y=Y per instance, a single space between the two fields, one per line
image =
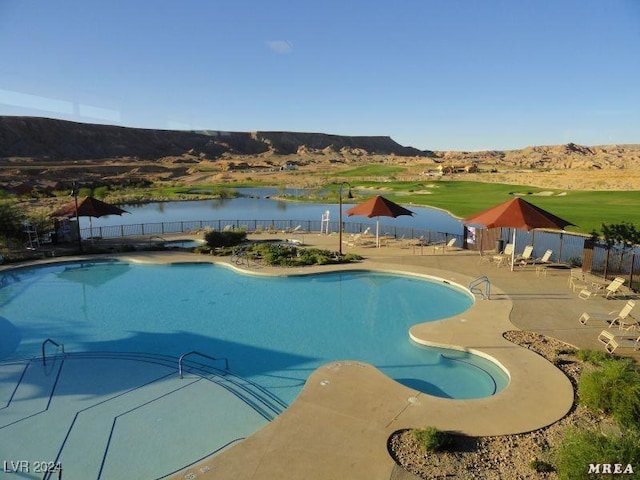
x=517 y=214
x=378 y=207
x=88 y=207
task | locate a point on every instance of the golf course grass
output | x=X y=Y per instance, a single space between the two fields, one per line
x=588 y=210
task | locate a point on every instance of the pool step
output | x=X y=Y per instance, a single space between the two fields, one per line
x=112 y=426
x=28 y=388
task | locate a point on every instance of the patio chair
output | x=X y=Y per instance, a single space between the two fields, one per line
x=611 y=318
x=504 y=257
x=545 y=259
x=609 y=291
x=619 y=340
x=525 y=257
x=450 y=245
x=292 y=230
x=577 y=279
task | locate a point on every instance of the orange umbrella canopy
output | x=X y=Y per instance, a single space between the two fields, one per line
x=379 y=207
x=89 y=207
x=517 y=213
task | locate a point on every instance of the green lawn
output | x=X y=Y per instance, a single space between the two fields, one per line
x=587 y=209
x=372 y=170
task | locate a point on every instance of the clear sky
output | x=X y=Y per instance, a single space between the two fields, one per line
x=432 y=74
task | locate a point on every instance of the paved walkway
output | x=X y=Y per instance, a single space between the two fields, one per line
x=339 y=425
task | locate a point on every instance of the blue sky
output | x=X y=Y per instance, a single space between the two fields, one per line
x=433 y=74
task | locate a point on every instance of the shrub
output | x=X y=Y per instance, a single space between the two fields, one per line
x=433 y=440
x=581 y=448
x=596 y=357
x=614 y=389
x=225 y=239
x=541 y=466
x=100 y=192
x=575 y=261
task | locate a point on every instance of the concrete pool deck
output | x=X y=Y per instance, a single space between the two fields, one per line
x=339 y=425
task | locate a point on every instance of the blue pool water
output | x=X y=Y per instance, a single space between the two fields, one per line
x=115 y=400
x=274 y=331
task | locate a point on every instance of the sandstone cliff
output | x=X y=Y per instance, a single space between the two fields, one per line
x=42 y=138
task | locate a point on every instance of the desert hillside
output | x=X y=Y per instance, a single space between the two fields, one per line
x=43 y=153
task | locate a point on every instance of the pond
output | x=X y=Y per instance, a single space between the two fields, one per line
x=258 y=205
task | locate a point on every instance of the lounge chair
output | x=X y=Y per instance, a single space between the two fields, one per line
x=611 y=318
x=612 y=341
x=577 y=279
x=504 y=257
x=292 y=230
x=445 y=246
x=357 y=240
x=609 y=291
x=525 y=257
x=545 y=258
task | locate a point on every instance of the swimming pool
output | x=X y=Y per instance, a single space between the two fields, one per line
x=272 y=332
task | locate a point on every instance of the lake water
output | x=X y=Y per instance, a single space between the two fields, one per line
x=257 y=207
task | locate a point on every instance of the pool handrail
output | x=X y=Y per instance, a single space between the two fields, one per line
x=48 y=340
x=195 y=352
x=473 y=287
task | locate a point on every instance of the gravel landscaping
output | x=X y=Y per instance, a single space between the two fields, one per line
x=504 y=457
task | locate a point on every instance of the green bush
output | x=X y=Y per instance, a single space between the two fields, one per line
x=541 y=466
x=614 y=389
x=433 y=440
x=581 y=448
x=595 y=357
x=225 y=239
x=100 y=192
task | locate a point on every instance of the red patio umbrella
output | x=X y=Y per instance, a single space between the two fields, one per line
x=88 y=207
x=517 y=214
x=378 y=207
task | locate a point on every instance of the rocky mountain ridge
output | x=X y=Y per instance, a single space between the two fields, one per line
x=43 y=138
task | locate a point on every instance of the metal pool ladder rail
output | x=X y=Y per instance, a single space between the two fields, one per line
x=475 y=287
x=194 y=352
x=48 y=340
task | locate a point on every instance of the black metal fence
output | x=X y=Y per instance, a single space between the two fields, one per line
x=165 y=228
x=568 y=248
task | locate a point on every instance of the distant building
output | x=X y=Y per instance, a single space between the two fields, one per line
x=289 y=166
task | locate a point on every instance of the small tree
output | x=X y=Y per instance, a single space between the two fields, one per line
x=11 y=219
x=619 y=237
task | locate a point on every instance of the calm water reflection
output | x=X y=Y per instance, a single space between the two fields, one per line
x=257 y=207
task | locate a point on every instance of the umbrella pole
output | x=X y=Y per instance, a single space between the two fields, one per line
x=377 y=232
x=74 y=192
x=513 y=252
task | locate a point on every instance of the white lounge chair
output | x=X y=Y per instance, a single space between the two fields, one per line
x=504 y=257
x=609 y=291
x=292 y=230
x=445 y=246
x=611 y=318
x=525 y=257
x=612 y=341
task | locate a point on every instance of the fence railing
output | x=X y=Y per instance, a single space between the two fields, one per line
x=163 y=228
x=566 y=247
